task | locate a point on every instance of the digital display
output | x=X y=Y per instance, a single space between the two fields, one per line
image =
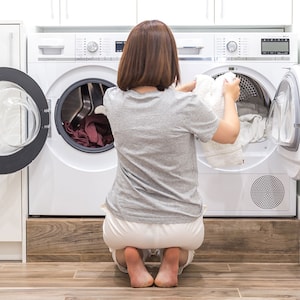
x=120 y=46
x=275 y=46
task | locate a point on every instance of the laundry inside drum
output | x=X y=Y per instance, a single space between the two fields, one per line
x=84 y=119
x=253 y=144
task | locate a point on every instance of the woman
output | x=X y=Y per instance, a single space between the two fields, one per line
x=154 y=205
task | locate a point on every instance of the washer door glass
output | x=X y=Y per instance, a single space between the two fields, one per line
x=284 y=115
x=24 y=120
x=19 y=118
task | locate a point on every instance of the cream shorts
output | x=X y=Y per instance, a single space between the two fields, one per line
x=118 y=234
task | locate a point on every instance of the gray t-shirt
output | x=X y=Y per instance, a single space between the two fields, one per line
x=154 y=135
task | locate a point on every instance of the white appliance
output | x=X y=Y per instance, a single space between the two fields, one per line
x=69 y=179
x=13 y=198
x=265 y=184
x=67 y=135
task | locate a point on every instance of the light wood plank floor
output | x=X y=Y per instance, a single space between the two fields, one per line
x=101 y=280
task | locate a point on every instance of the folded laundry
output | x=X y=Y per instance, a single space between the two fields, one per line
x=93 y=131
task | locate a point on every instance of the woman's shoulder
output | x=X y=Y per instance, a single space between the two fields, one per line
x=112 y=90
x=185 y=96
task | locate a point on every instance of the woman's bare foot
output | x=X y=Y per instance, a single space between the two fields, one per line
x=138 y=274
x=168 y=272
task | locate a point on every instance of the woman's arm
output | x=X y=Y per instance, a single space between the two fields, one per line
x=229 y=126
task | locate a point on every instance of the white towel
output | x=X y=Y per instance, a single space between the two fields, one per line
x=252 y=129
x=211 y=91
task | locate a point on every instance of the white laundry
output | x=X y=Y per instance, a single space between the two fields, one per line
x=252 y=129
x=252 y=126
x=245 y=108
x=211 y=91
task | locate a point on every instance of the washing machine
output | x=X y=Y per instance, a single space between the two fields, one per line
x=67 y=76
x=265 y=183
x=60 y=128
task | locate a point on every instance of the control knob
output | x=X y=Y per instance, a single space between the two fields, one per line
x=231 y=46
x=92 y=46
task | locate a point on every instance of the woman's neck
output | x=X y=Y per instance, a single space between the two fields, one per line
x=145 y=89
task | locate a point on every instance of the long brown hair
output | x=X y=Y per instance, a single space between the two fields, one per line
x=149 y=57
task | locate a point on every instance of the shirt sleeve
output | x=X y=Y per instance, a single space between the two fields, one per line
x=200 y=119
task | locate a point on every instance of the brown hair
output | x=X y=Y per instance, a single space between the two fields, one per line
x=149 y=57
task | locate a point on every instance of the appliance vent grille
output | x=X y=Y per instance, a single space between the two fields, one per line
x=267 y=192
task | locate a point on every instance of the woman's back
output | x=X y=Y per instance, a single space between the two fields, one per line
x=154 y=136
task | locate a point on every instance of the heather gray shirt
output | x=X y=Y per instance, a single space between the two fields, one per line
x=154 y=135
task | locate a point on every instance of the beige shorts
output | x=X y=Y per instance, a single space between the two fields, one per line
x=152 y=238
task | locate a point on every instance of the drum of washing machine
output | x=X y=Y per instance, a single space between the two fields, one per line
x=252 y=100
x=81 y=118
x=252 y=146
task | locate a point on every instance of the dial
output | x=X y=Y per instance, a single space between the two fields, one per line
x=92 y=46
x=231 y=46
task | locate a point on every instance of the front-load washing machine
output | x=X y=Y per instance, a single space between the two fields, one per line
x=264 y=184
x=58 y=113
x=68 y=74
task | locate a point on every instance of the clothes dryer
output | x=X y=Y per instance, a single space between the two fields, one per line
x=264 y=185
x=64 y=135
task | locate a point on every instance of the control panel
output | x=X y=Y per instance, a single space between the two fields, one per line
x=205 y=46
x=99 y=46
x=82 y=46
x=254 y=46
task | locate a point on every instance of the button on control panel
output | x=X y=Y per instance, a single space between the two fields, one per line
x=92 y=46
x=232 y=46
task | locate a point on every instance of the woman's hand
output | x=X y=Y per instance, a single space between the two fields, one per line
x=231 y=90
x=187 y=87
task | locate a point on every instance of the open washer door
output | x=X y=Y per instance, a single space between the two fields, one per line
x=284 y=121
x=24 y=120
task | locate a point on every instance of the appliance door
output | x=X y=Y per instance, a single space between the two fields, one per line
x=284 y=118
x=284 y=121
x=24 y=120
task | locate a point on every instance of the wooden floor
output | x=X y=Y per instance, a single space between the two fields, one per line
x=101 y=280
x=251 y=259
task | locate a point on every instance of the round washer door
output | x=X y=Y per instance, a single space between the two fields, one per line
x=24 y=120
x=284 y=118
